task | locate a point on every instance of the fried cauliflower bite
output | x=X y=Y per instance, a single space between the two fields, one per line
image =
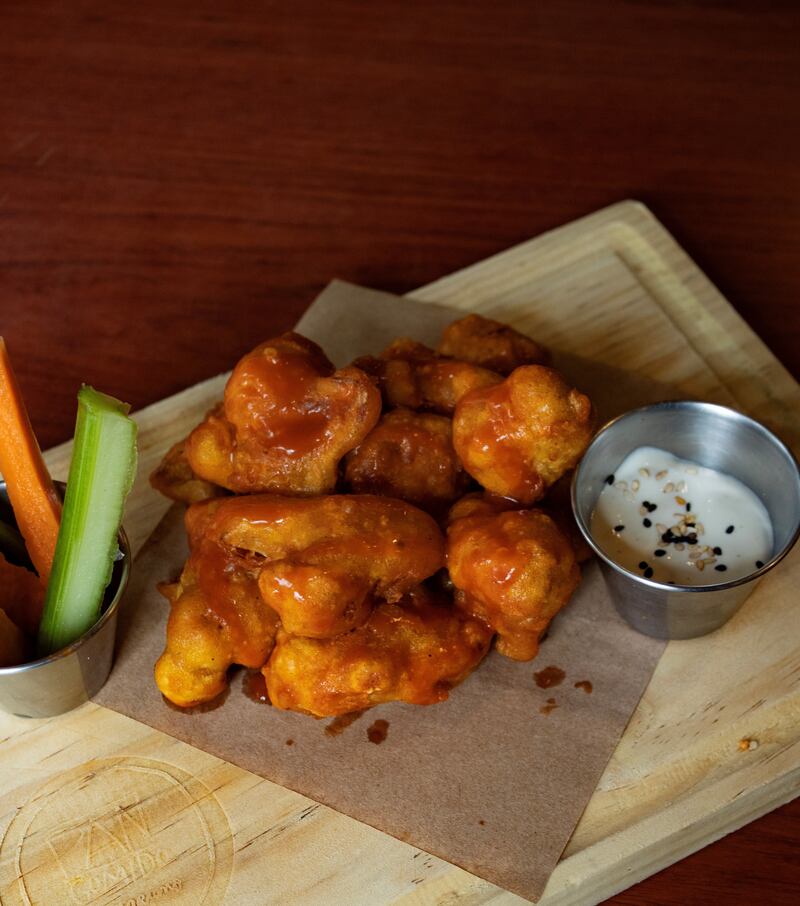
x=519 y=437
x=317 y=564
x=409 y=455
x=513 y=569
x=412 y=375
x=287 y=419
x=217 y=618
x=414 y=650
x=491 y=344
x=175 y=479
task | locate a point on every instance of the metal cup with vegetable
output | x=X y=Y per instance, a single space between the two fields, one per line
x=63 y=569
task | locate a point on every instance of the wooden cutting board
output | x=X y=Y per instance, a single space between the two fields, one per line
x=96 y=808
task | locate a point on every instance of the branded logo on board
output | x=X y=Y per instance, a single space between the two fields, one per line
x=128 y=831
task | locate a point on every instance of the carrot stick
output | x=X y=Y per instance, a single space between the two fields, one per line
x=29 y=485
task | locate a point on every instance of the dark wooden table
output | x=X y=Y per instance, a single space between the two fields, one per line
x=178 y=179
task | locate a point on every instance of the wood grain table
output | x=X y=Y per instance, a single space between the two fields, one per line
x=179 y=179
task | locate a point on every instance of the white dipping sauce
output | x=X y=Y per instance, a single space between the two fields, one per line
x=678 y=522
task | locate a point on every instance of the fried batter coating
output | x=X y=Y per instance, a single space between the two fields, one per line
x=316 y=563
x=287 y=419
x=412 y=375
x=175 y=479
x=414 y=650
x=480 y=504
x=409 y=455
x=519 y=437
x=217 y=618
x=556 y=505
x=514 y=570
x=490 y=344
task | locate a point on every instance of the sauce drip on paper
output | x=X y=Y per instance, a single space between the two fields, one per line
x=549 y=677
x=378 y=732
x=255 y=687
x=341 y=723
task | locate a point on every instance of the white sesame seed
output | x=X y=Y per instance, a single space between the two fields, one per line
x=621 y=485
x=635 y=484
x=661 y=528
x=661 y=474
x=645 y=473
x=700 y=564
x=669 y=487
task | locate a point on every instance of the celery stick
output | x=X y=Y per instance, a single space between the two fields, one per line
x=100 y=476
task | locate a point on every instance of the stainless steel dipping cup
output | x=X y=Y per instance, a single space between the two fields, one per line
x=71 y=676
x=713 y=436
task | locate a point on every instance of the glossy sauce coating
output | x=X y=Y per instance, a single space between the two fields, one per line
x=287 y=419
x=521 y=436
x=316 y=563
x=414 y=651
x=515 y=570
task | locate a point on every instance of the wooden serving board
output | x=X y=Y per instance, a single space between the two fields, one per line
x=104 y=809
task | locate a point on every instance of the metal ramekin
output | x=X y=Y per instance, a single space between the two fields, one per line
x=713 y=436
x=71 y=676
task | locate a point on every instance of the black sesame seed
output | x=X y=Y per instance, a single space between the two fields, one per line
x=720 y=567
x=759 y=564
x=653 y=507
x=646 y=504
x=688 y=508
x=619 y=528
x=691 y=539
x=729 y=530
x=648 y=573
x=609 y=479
x=668 y=537
x=718 y=551
x=659 y=553
x=643 y=564
x=646 y=523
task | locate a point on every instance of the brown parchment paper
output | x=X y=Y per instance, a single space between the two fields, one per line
x=484 y=780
